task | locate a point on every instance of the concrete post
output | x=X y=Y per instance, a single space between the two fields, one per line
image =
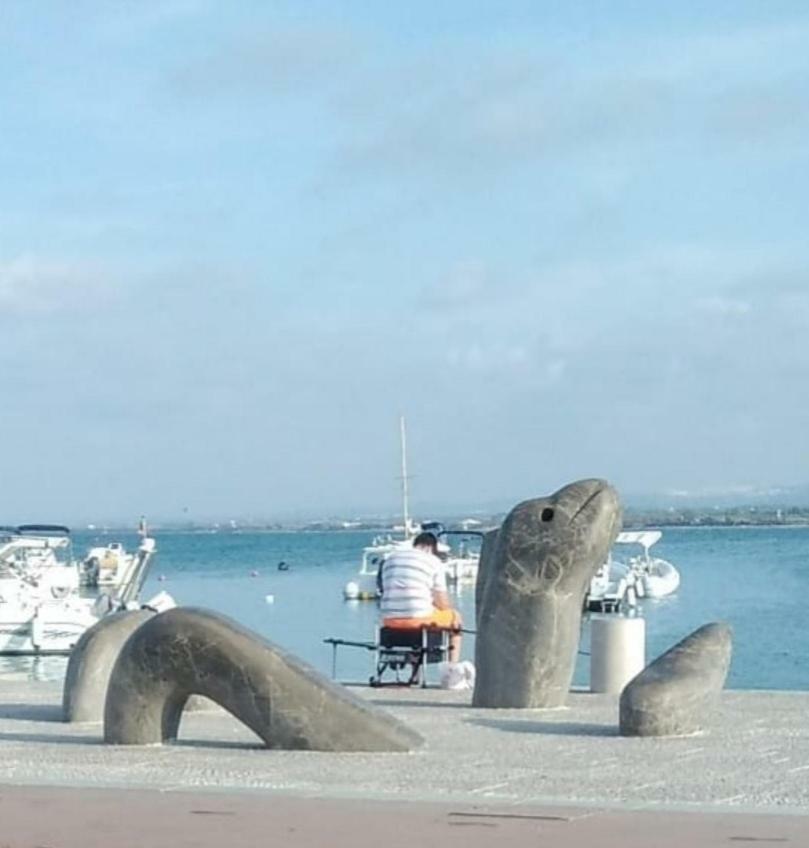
x=617 y=652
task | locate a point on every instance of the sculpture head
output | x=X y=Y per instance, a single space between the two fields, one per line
x=543 y=537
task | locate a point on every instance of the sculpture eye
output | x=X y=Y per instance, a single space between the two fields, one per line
x=547 y=514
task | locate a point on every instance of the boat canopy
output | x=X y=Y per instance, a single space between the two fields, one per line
x=42 y=530
x=478 y=533
x=646 y=538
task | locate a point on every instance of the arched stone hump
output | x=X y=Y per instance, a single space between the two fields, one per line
x=674 y=695
x=288 y=704
x=91 y=662
x=531 y=590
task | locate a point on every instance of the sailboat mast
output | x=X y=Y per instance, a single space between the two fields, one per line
x=405 y=505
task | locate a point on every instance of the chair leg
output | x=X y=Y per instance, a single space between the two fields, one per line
x=424 y=656
x=378 y=658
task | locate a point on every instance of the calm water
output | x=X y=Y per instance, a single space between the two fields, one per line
x=755 y=578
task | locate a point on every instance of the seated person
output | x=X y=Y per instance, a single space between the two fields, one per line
x=414 y=591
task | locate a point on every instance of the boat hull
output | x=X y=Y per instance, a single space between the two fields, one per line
x=44 y=629
x=661 y=579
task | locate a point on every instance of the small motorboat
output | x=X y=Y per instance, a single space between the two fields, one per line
x=109 y=565
x=619 y=584
x=657 y=577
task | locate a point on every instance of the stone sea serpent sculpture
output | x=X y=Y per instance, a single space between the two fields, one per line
x=674 y=695
x=188 y=651
x=91 y=662
x=532 y=580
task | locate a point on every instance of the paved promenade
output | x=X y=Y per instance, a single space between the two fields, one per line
x=756 y=755
x=560 y=773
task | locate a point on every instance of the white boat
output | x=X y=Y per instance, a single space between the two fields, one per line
x=461 y=565
x=613 y=588
x=365 y=585
x=35 y=547
x=108 y=565
x=621 y=583
x=42 y=610
x=657 y=576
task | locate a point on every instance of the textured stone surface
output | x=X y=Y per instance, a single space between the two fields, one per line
x=288 y=704
x=532 y=591
x=487 y=550
x=675 y=694
x=91 y=662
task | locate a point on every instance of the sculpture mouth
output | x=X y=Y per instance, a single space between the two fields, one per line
x=588 y=503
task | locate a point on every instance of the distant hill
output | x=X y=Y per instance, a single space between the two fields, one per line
x=783 y=504
x=774 y=496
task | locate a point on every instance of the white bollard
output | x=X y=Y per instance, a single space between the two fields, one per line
x=617 y=652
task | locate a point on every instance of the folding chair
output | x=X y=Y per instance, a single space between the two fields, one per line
x=400 y=649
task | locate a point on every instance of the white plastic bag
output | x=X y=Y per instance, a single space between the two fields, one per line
x=458 y=676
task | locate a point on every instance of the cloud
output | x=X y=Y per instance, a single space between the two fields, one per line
x=747 y=49
x=778 y=293
x=483 y=357
x=452 y=113
x=270 y=61
x=467 y=283
x=724 y=305
x=466 y=109
x=671 y=322
x=29 y=283
x=119 y=22
x=758 y=113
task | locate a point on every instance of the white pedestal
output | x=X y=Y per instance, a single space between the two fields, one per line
x=617 y=652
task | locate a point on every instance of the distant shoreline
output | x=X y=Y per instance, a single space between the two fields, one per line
x=381 y=531
x=720 y=526
x=473 y=521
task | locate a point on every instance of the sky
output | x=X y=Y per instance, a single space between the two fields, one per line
x=238 y=241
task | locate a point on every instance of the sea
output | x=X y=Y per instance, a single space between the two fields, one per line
x=755 y=578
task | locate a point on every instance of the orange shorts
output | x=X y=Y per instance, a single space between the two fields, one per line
x=449 y=619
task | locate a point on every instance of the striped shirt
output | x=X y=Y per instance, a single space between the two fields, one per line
x=409 y=578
